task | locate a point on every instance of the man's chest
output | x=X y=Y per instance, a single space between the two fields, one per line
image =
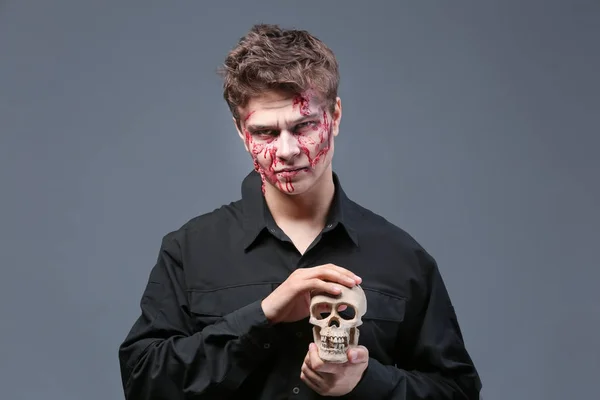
x=219 y=282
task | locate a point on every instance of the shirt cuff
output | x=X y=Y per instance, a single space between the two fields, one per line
x=253 y=327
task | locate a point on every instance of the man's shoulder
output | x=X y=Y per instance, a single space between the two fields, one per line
x=377 y=227
x=208 y=224
x=392 y=244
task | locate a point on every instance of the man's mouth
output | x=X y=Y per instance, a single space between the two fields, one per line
x=290 y=171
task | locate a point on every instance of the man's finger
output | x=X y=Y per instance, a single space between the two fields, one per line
x=358 y=355
x=309 y=383
x=339 y=270
x=307 y=359
x=316 y=363
x=313 y=377
x=329 y=275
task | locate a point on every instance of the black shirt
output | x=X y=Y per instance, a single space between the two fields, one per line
x=202 y=333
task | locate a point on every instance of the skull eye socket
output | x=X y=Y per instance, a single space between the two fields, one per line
x=346 y=311
x=321 y=310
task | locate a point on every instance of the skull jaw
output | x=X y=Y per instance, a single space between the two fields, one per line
x=335 y=350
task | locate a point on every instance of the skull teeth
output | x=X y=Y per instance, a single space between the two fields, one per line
x=336 y=344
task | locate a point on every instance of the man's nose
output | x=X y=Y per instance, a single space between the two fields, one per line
x=289 y=147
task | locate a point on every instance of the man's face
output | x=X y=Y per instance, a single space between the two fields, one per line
x=290 y=138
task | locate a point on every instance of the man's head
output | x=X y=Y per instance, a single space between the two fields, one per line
x=281 y=87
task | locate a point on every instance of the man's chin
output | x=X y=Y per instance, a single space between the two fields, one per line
x=290 y=187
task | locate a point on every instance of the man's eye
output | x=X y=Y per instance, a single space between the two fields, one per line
x=266 y=133
x=308 y=124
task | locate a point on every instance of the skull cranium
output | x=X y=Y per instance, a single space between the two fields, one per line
x=336 y=332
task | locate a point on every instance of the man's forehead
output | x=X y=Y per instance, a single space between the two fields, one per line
x=265 y=109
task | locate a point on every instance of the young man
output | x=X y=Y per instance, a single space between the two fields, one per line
x=225 y=314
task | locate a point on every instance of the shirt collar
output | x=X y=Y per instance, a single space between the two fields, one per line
x=258 y=218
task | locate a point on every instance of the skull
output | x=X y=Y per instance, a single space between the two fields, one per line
x=336 y=320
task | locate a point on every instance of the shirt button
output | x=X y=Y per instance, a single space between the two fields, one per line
x=299 y=334
x=267 y=346
x=296 y=390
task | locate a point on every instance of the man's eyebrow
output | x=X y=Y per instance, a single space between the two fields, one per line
x=305 y=118
x=259 y=127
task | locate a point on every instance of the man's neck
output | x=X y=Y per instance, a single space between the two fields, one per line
x=310 y=208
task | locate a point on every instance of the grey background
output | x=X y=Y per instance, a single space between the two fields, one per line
x=472 y=125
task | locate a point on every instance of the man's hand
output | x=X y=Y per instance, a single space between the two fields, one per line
x=331 y=379
x=290 y=302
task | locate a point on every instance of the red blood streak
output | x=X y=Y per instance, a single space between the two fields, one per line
x=267 y=150
x=324 y=134
x=288 y=185
x=248 y=116
x=303 y=102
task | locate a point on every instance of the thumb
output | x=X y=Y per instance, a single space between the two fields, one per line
x=358 y=354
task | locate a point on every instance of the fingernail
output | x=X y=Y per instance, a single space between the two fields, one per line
x=353 y=356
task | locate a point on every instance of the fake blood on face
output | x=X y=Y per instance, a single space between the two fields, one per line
x=267 y=150
x=248 y=116
x=314 y=149
x=303 y=103
x=325 y=135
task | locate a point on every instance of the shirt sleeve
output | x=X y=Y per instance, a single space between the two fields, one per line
x=165 y=356
x=435 y=363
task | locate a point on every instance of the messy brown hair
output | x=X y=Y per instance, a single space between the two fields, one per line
x=271 y=58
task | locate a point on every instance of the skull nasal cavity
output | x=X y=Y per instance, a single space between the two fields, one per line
x=334 y=322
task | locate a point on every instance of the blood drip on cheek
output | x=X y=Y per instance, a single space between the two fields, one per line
x=325 y=135
x=267 y=150
x=271 y=175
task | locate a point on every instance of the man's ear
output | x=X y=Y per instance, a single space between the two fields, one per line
x=337 y=116
x=236 y=123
